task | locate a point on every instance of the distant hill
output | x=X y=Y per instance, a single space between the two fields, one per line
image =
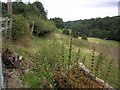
x=105 y=28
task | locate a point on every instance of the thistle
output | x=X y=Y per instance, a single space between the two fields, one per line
x=83 y=61
x=79 y=72
x=100 y=59
x=92 y=61
x=108 y=73
x=77 y=57
x=92 y=68
x=62 y=55
x=69 y=61
x=70 y=52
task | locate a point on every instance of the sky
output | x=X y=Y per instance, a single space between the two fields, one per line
x=70 y=10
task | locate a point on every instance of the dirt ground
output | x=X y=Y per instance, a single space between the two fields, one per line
x=13 y=77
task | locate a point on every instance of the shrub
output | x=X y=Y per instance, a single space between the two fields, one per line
x=66 y=31
x=20 y=28
x=42 y=27
x=84 y=37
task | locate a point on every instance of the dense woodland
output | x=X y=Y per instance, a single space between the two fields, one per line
x=104 y=28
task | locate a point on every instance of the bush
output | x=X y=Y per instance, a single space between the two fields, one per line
x=66 y=31
x=42 y=27
x=84 y=37
x=20 y=28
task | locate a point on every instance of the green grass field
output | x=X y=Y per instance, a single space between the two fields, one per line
x=108 y=42
x=45 y=53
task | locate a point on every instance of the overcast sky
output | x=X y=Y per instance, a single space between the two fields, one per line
x=79 y=9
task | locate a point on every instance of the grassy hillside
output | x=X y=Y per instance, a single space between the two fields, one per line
x=43 y=55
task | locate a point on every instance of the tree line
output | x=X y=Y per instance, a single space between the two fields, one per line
x=27 y=10
x=28 y=16
x=104 y=28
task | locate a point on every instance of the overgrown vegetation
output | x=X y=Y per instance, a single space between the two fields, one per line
x=64 y=56
x=57 y=53
x=41 y=27
x=20 y=29
x=34 y=17
x=54 y=58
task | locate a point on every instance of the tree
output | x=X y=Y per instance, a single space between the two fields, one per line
x=19 y=8
x=80 y=29
x=58 y=22
x=20 y=28
x=41 y=9
x=4 y=9
x=32 y=10
x=42 y=27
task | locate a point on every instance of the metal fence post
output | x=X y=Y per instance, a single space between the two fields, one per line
x=1 y=74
